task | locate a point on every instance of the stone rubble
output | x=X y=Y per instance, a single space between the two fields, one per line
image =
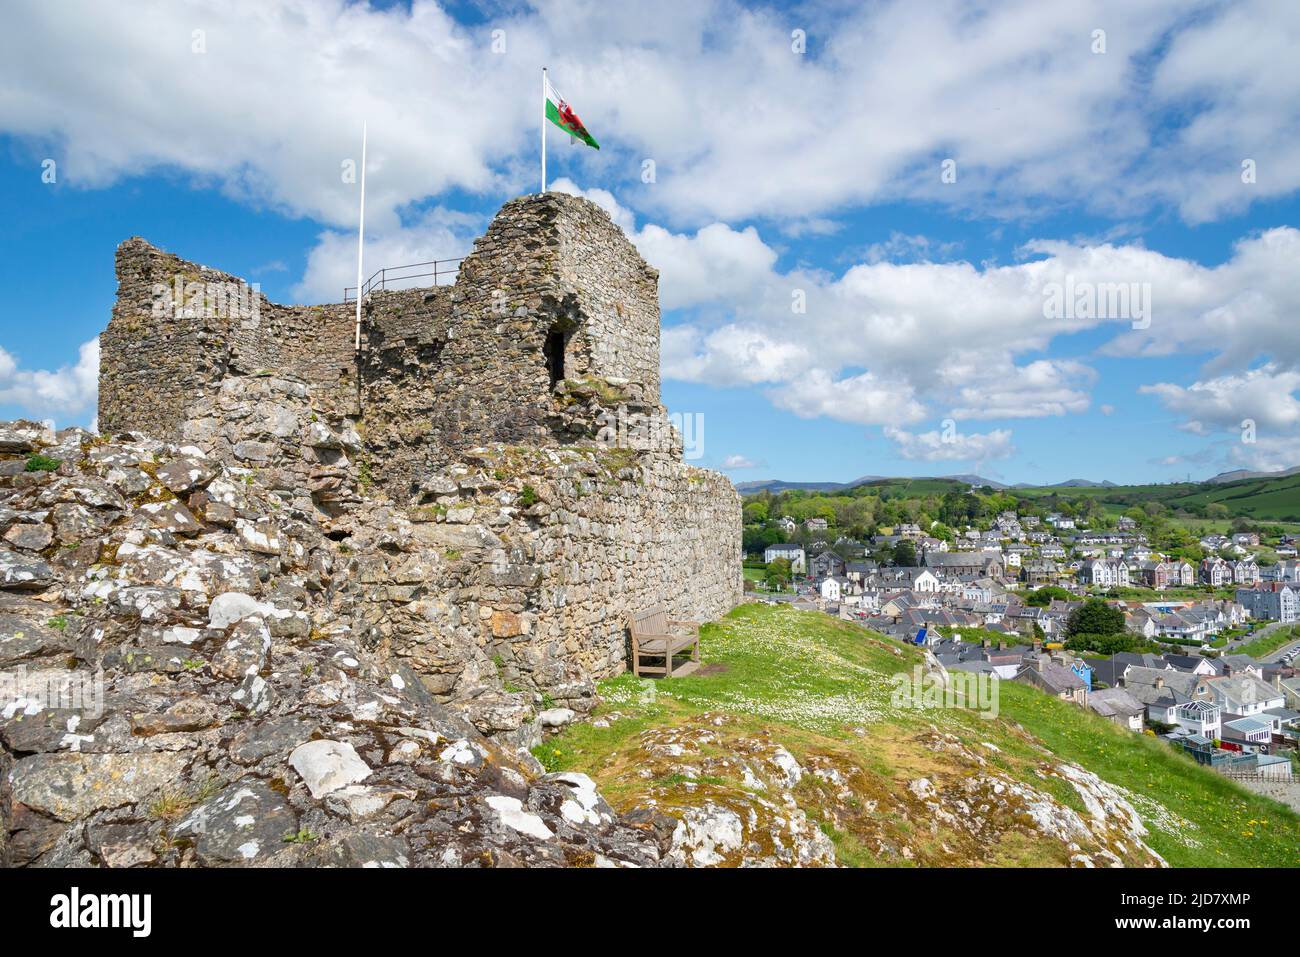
x=175 y=693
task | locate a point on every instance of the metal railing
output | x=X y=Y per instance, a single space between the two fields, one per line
x=391 y=276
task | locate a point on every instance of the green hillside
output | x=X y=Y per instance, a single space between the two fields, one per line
x=920 y=486
x=1268 y=499
x=896 y=786
x=1275 y=499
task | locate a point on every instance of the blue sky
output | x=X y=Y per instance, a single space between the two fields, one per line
x=798 y=153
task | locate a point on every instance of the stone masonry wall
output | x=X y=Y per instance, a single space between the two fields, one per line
x=153 y=363
x=454 y=368
x=618 y=336
x=178 y=329
x=524 y=564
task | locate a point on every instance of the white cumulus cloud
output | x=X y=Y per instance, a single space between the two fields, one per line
x=956 y=446
x=64 y=394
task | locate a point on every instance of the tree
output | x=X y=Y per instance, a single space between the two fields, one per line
x=754 y=539
x=904 y=554
x=1217 y=510
x=1094 y=617
x=1107 y=644
x=1042 y=597
x=778 y=574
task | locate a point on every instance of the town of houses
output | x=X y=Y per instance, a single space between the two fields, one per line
x=1226 y=710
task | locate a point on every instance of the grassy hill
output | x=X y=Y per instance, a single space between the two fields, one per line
x=896 y=786
x=1274 y=499
x=1271 y=499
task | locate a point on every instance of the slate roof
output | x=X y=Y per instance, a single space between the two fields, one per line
x=1115 y=702
x=1056 y=678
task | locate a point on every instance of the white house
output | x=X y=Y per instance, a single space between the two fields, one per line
x=1216 y=572
x=1199 y=717
x=1245 y=695
x=1245 y=573
x=1105 y=574
x=1118 y=706
x=792 y=553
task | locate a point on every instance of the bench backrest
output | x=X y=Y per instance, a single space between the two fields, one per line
x=653 y=621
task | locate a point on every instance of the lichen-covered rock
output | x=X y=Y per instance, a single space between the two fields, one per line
x=172 y=696
x=244 y=823
x=72 y=786
x=19 y=571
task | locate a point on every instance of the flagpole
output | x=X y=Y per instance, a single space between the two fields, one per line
x=543 y=129
x=361 y=236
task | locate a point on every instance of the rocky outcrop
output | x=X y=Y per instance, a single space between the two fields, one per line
x=181 y=683
x=740 y=798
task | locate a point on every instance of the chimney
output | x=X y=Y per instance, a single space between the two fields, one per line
x=1002 y=646
x=1039 y=662
x=1277 y=681
x=1160 y=682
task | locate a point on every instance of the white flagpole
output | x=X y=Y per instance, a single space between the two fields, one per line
x=543 y=129
x=361 y=236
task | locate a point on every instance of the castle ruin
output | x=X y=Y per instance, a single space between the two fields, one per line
x=475 y=453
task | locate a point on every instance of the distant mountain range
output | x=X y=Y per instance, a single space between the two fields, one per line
x=1239 y=474
x=1071 y=483
x=778 y=485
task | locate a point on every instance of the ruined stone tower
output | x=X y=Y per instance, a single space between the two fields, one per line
x=489 y=416
x=552 y=291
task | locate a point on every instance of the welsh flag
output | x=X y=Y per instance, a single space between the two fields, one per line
x=559 y=112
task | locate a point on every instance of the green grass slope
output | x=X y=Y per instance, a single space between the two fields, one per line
x=1265 y=499
x=822 y=689
x=1275 y=499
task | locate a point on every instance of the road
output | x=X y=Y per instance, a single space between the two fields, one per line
x=1263 y=633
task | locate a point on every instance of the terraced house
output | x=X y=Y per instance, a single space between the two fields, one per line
x=1277 y=601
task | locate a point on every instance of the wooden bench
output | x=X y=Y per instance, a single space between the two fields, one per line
x=657 y=637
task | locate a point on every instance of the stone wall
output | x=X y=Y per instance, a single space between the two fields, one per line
x=457 y=367
x=153 y=362
x=618 y=293
x=523 y=564
x=178 y=329
x=271 y=426
x=636 y=533
x=1285 y=792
